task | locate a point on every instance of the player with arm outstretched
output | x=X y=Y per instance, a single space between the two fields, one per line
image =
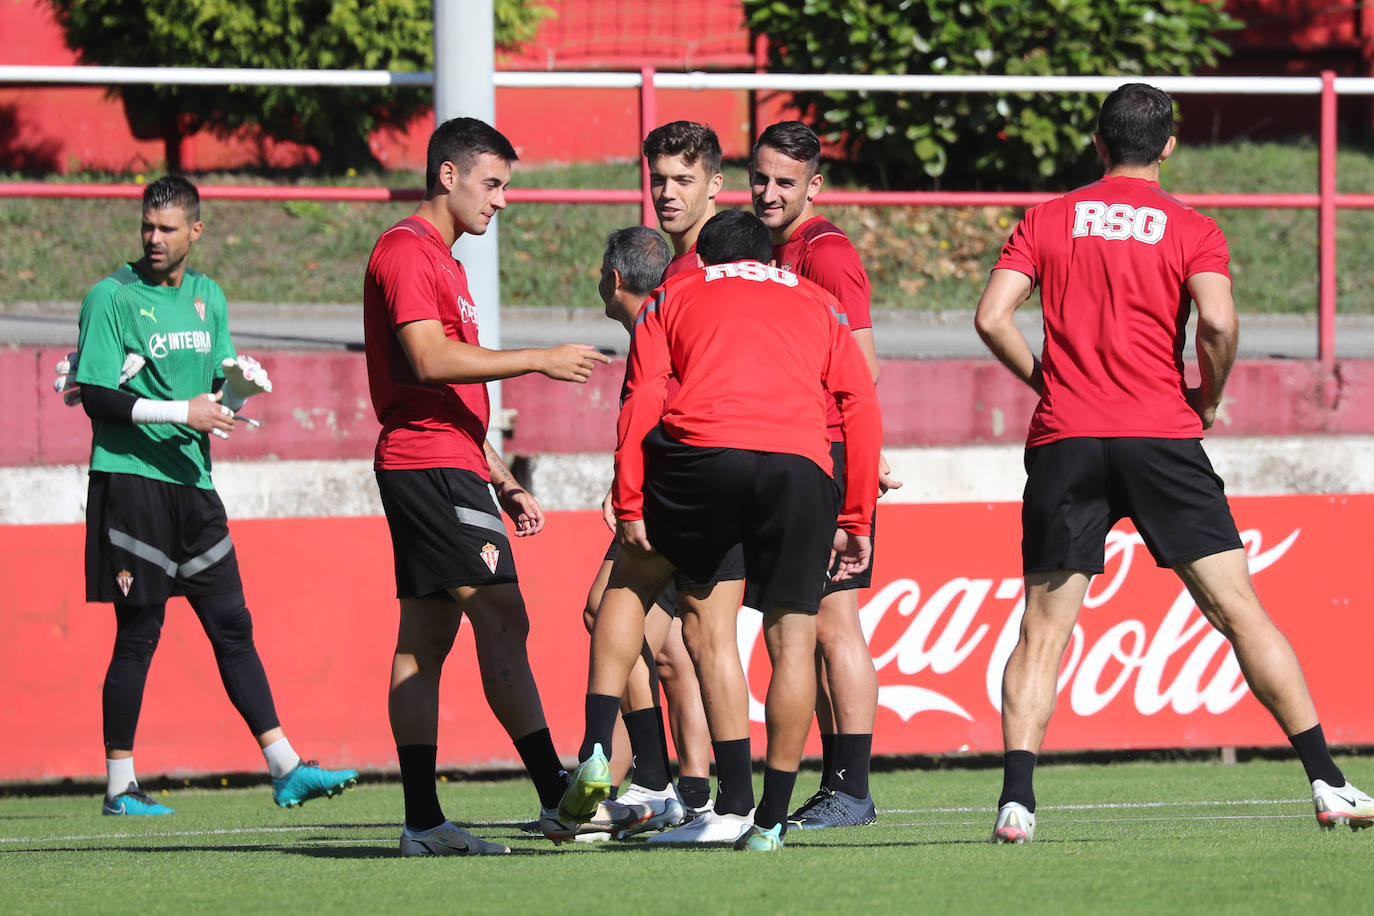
x=427 y=376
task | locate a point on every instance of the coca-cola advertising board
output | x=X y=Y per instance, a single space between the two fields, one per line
x=1143 y=669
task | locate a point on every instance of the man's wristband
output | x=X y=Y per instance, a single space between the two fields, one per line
x=148 y=411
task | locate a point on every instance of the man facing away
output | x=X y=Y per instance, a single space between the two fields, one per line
x=427 y=376
x=784 y=180
x=1117 y=434
x=683 y=159
x=740 y=456
x=158 y=374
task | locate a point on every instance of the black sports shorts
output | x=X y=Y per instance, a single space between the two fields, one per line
x=147 y=540
x=865 y=578
x=446 y=531
x=699 y=502
x=1076 y=489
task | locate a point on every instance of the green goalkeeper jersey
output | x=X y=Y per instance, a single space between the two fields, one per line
x=183 y=333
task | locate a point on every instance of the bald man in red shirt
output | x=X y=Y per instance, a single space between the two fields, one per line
x=1118 y=434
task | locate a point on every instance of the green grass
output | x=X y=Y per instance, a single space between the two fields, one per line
x=1182 y=837
x=921 y=258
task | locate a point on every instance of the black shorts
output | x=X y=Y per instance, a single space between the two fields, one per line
x=446 y=531
x=1077 y=489
x=699 y=502
x=147 y=540
x=865 y=578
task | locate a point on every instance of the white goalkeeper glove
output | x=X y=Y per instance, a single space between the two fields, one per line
x=66 y=385
x=243 y=378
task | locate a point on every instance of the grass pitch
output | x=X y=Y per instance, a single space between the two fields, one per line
x=1125 y=838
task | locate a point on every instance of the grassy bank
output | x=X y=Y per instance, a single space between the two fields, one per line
x=918 y=258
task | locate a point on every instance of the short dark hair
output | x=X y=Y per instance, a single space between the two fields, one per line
x=640 y=255
x=173 y=191
x=462 y=141
x=1135 y=122
x=795 y=140
x=734 y=235
x=693 y=141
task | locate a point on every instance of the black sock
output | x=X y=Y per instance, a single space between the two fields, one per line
x=777 y=796
x=1316 y=756
x=600 y=712
x=542 y=763
x=663 y=743
x=646 y=743
x=695 y=791
x=417 y=784
x=849 y=769
x=734 y=779
x=1018 y=773
x=827 y=758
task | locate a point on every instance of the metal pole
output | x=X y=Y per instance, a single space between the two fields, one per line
x=464 y=59
x=648 y=120
x=1326 y=231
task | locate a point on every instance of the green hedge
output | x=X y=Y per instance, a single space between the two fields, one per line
x=290 y=34
x=979 y=139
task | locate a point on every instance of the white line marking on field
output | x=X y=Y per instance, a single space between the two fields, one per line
x=1102 y=806
x=1107 y=805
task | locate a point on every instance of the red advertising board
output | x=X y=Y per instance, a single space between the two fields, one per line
x=1143 y=669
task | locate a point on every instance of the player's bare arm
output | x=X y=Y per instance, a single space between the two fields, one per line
x=1004 y=294
x=1218 y=333
x=439 y=359
x=516 y=501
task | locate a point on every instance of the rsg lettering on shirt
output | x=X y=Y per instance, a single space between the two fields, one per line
x=159 y=345
x=751 y=270
x=467 y=311
x=1117 y=222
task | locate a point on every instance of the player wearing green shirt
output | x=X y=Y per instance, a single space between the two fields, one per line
x=157 y=374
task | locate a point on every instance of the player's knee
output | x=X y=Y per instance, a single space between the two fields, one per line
x=227 y=622
x=137 y=633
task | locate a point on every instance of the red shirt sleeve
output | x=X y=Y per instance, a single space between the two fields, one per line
x=1018 y=253
x=646 y=391
x=848 y=379
x=1211 y=255
x=407 y=279
x=835 y=265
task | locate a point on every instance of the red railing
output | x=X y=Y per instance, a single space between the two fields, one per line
x=1326 y=201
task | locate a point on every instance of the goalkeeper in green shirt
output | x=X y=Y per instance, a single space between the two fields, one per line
x=156 y=371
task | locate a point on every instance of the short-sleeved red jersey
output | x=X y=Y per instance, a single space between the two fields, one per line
x=821 y=253
x=1112 y=260
x=412 y=276
x=759 y=352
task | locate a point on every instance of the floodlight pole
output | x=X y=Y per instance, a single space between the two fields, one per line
x=464 y=59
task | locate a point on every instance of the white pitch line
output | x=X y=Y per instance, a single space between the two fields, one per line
x=1106 y=805
x=166 y=834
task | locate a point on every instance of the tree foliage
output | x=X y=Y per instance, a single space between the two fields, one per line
x=396 y=35
x=979 y=138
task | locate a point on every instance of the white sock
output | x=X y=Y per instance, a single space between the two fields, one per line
x=118 y=774
x=281 y=759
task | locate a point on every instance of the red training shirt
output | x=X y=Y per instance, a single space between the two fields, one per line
x=412 y=276
x=1113 y=260
x=759 y=352
x=823 y=254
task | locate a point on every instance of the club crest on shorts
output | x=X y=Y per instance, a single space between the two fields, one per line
x=490 y=555
x=200 y=308
x=125 y=580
